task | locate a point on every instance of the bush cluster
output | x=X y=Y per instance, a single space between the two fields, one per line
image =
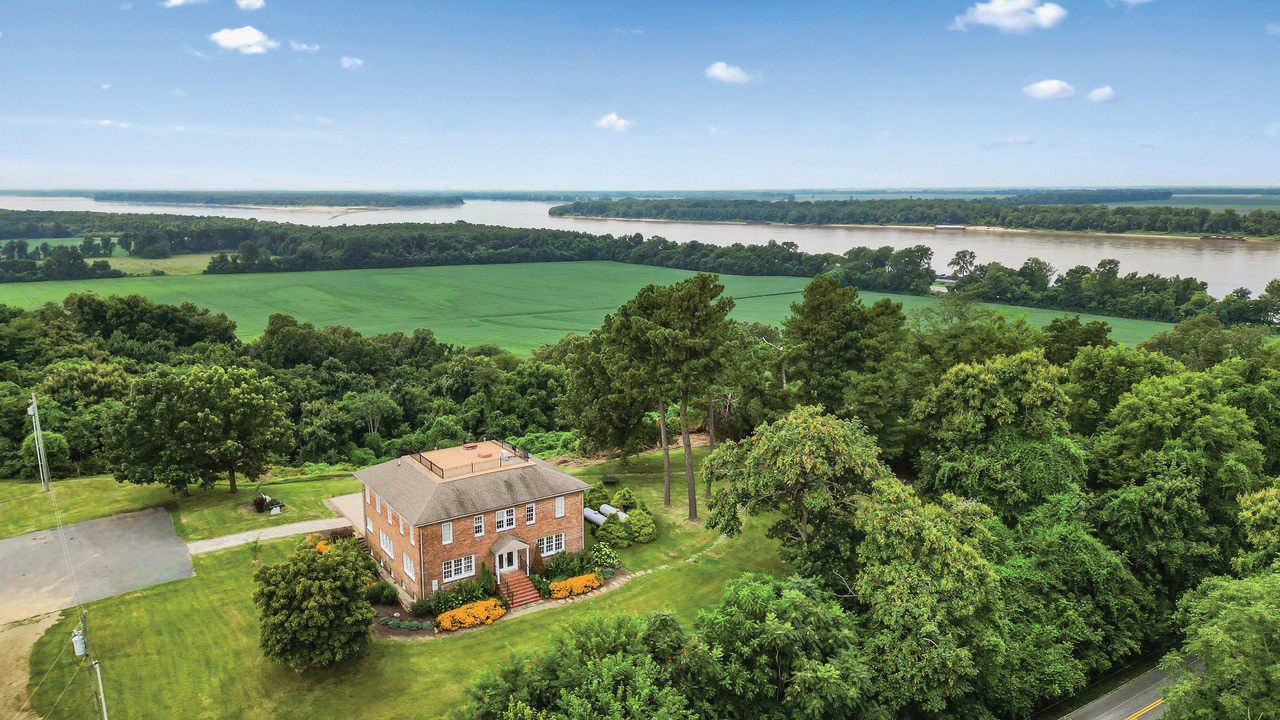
x=403 y=624
x=473 y=614
x=616 y=532
x=382 y=593
x=446 y=599
x=603 y=556
x=579 y=585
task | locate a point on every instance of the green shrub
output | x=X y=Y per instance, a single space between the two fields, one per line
x=615 y=531
x=488 y=581
x=382 y=593
x=420 y=607
x=603 y=556
x=643 y=529
x=568 y=564
x=550 y=444
x=626 y=500
x=444 y=600
x=57 y=453
x=597 y=495
x=542 y=585
x=384 y=620
x=536 y=566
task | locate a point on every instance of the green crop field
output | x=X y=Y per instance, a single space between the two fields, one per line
x=1242 y=204
x=518 y=306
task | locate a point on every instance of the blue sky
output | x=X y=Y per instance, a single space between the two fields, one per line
x=488 y=94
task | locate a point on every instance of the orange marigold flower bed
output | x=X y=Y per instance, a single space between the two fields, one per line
x=482 y=612
x=322 y=546
x=575 y=586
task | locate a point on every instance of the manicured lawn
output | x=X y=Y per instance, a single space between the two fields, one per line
x=519 y=306
x=205 y=514
x=192 y=264
x=189 y=648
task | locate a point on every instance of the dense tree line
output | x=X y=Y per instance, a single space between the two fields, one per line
x=1087 y=197
x=21 y=263
x=988 y=212
x=1082 y=501
x=278 y=197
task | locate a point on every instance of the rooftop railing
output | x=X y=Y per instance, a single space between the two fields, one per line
x=511 y=455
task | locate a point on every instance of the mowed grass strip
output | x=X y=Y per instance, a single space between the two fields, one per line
x=515 y=306
x=189 y=648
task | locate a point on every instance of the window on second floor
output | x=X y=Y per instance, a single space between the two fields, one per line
x=446 y=533
x=530 y=514
x=478 y=525
x=560 y=506
x=384 y=541
x=504 y=519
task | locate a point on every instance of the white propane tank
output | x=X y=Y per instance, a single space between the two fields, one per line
x=611 y=510
x=593 y=516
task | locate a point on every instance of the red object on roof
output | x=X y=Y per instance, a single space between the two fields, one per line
x=471 y=446
x=485 y=454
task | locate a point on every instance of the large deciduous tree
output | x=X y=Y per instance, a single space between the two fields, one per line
x=824 y=337
x=1099 y=376
x=179 y=428
x=1227 y=667
x=313 y=607
x=598 y=401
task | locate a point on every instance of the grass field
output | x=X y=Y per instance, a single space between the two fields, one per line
x=205 y=514
x=1242 y=204
x=189 y=648
x=515 y=306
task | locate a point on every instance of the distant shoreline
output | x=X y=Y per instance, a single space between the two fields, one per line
x=929 y=228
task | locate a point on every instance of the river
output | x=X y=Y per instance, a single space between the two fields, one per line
x=1223 y=264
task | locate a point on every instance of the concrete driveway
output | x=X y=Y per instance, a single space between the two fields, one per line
x=109 y=556
x=350 y=506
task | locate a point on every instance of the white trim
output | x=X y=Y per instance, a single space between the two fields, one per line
x=504 y=519
x=377 y=504
x=368 y=495
x=408 y=568
x=446 y=533
x=477 y=525
x=556 y=544
x=560 y=506
x=530 y=513
x=388 y=547
x=413 y=540
x=368 y=523
x=466 y=565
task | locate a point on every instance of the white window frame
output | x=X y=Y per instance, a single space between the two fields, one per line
x=458 y=568
x=555 y=542
x=389 y=513
x=504 y=519
x=401 y=524
x=408 y=568
x=413 y=540
x=377 y=504
x=368 y=523
x=560 y=506
x=530 y=514
x=477 y=525
x=446 y=533
x=368 y=496
x=385 y=542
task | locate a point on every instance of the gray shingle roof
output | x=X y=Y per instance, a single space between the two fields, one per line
x=413 y=493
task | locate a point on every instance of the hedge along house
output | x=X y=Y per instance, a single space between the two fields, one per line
x=432 y=519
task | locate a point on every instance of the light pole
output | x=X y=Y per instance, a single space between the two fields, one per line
x=41 y=464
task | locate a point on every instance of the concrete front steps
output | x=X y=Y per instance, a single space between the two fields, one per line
x=517 y=589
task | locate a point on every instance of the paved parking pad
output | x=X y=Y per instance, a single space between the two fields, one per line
x=108 y=557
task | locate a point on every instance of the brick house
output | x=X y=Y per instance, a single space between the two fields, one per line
x=432 y=519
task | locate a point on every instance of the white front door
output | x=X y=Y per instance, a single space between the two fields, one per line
x=506 y=561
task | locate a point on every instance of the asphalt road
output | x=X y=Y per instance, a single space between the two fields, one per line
x=1139 y=699
x=108 y=557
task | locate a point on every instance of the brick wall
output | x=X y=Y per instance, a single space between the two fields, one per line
x=434 y=552
x=400 y=532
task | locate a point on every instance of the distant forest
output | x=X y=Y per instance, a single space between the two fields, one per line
x=245 y=246
x=990 y=212
x=283 y=198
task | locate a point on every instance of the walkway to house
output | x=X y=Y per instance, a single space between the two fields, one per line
x=199 y=547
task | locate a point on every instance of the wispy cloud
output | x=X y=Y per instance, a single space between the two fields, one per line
x=351 y=63
x=106 y=86
x=316 y=119
x=178 y=3
x=1273 y=28
x=1131 y=3
x=1273 y=129
x=192 y=51
x=303 y=47
x=613 y=122
x=247 y=40
x=107 y=123
x=1012 y=141
x=713 y=130
x=1102 y=94
x=1012 y=16
x=250 y=4
x=1049 y=90
x=724 y=72
x=629 y=31
x=126 y=6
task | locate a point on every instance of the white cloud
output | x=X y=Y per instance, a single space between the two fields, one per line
x=1273 y=28
x=303 y=47
x=126 y=6
x=248 y=40
x=317 y=119
x=176 y=3
x=351 y=63
x=613 y=122
x=106 y=86
x=108 y=123
x=1273 y=129
x=178 y=92
x=1049 y=90
x=1102 y=94
x=713 y=130
x=250 y=4
x=1136 y=2
x=629 y=31
x=1011 y=15
x=725 y=72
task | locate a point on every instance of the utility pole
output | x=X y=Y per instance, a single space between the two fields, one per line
x=41 y=464
x=80 y=641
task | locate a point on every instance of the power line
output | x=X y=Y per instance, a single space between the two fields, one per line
x=42 y=464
